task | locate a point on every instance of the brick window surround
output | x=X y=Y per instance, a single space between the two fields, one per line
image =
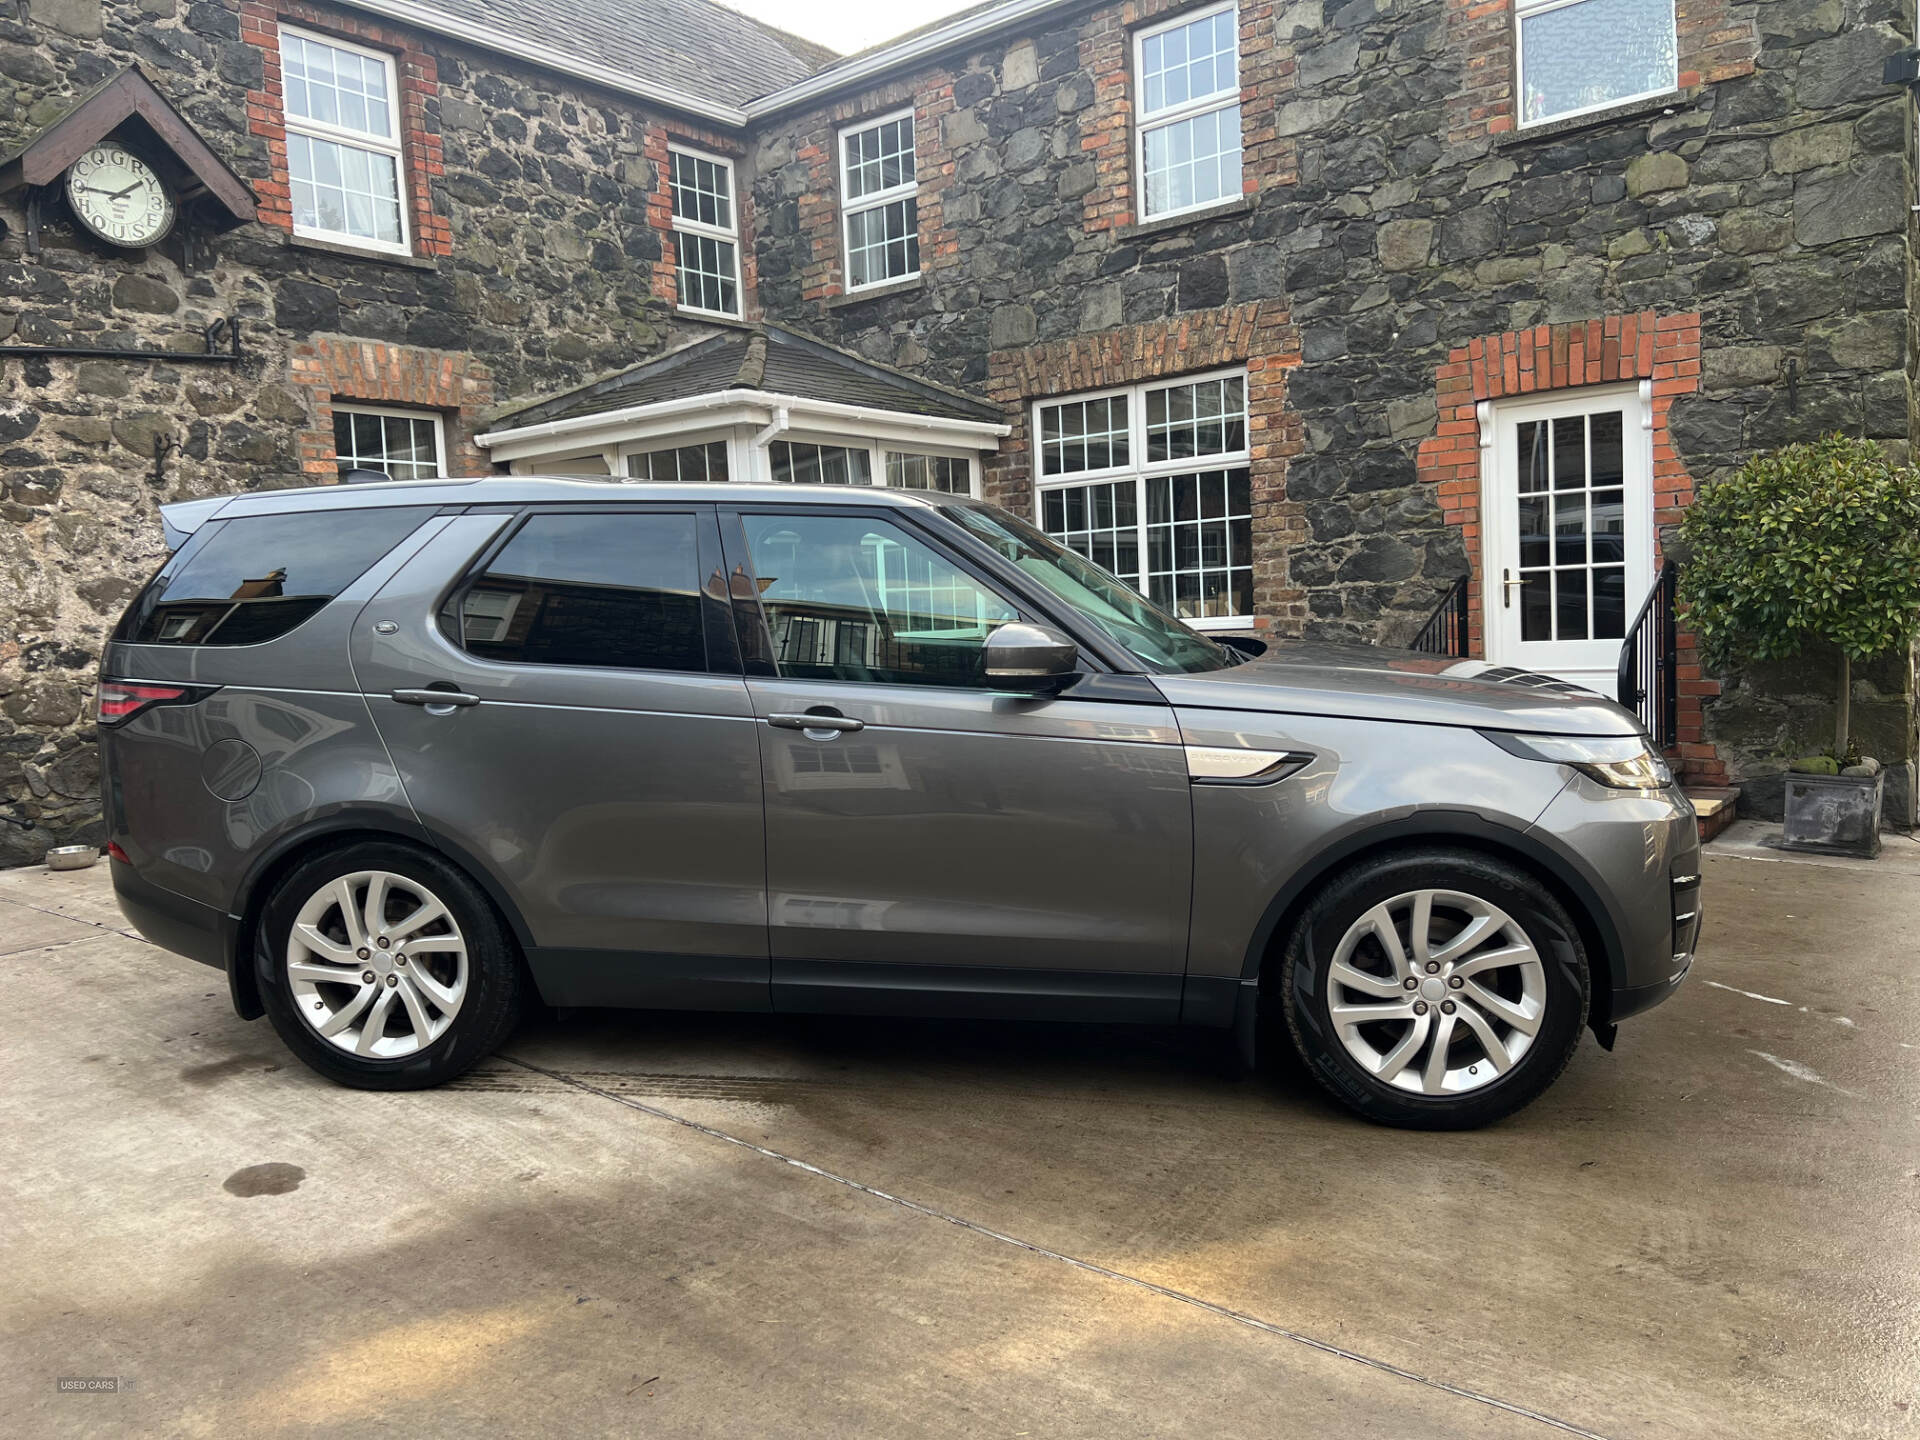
x=1647 y=346
x=375 y=373
x=1106 y=126
x=1259 y=336
x=656 y=142
x=1718 y=40
x=419 y=82
x=930 y=95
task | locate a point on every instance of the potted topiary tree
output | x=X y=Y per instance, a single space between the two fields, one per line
x=1815 y=542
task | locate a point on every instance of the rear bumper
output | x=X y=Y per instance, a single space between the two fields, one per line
x=173 y=922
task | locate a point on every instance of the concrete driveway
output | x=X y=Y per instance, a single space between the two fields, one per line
x=690 y=1226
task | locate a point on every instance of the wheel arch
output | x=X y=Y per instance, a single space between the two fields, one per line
x=1559 y=871
x=333 y=832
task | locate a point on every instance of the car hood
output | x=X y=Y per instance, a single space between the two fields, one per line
x=1369 y=683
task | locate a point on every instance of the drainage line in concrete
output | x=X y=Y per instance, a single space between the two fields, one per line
x=1239 y=1317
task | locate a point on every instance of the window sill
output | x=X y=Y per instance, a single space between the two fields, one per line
x=1647 y=107
x=877 y=292
x=713 y=317
x=355 y=252
x=1239 y=205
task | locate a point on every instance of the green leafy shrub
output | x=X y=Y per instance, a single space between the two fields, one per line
x=1811 y=542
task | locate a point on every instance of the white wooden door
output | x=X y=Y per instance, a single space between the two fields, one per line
x=1567 y=509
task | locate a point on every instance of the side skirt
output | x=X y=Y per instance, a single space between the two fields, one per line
x=985 y=992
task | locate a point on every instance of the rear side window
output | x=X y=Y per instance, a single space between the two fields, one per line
x=600 y=590
x=257 y=577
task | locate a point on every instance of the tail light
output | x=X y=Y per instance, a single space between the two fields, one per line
x=119 y=701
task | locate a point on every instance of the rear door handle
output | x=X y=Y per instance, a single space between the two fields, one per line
x=452 y=699
x=816 y=722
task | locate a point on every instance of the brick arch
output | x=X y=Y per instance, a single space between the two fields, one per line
x=329 y=369
x=1663 y=349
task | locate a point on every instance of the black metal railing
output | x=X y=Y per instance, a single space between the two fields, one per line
x=1445 y=632
x=1649 y=667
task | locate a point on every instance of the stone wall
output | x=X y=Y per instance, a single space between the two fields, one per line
x=535 y=268
x=1397 y=213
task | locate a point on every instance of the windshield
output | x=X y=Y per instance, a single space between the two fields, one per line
x=1156 y=639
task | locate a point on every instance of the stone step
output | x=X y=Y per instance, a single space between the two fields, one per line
x=1715 y=805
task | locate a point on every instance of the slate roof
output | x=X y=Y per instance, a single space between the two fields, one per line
x=694 y=46
x=763 y=358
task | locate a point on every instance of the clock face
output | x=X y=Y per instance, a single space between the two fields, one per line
x=116 y=195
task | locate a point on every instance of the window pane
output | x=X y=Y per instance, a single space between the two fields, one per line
x=1193 y=162
x=335 y=87
x=702 y=191
x=1206 y=418
x=1190 y=62
x=600 y=590
x=855 y=598
x=879 y=158
x=1199 y=539
x=1609 y=603
x=1536 y=614
x=796 y=463
x=344 y=190
x=256 y=578
x=946 y=473
x=1092 y=435
x=706 y=274
x=1581 y=56
x=883 y=243
x=406 y=447
x=1101 y=522
x=1570 y=601
x=690 y=463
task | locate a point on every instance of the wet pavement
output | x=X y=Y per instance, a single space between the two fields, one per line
x=696 y=1225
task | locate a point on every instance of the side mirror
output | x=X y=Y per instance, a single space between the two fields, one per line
x=1034 y=658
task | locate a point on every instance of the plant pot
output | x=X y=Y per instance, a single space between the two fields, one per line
x=1834 y=814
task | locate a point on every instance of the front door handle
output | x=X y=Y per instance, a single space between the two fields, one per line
x=452 y=699
x=837 y=723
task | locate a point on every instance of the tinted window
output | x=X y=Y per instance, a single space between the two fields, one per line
x=256 y=578
x=604 y=590
x=855 y=598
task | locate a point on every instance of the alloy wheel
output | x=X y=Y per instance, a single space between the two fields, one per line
x=1436 y=992
x=377 y=965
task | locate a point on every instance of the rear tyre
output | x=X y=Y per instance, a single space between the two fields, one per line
x=385 y=968
x=1435 y=989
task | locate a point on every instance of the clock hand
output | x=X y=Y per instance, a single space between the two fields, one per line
x=128 y=191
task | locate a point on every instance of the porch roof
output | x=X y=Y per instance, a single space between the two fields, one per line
x=766 y=359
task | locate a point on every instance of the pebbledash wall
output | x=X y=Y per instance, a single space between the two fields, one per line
x=537 y=263
x=1741 y=244
x=1402 y=252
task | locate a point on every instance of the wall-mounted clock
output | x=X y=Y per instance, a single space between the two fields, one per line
x=116 y=195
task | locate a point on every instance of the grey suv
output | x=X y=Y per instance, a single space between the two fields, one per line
x=400 y=757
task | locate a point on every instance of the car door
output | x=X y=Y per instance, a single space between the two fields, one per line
x=594 y=753
x=932 y=844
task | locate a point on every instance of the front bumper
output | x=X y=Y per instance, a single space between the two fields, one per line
x=1640 y=852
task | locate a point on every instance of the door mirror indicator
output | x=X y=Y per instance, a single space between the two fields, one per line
x=1034 y=658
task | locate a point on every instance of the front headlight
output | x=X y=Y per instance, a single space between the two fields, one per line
x=1620 y=762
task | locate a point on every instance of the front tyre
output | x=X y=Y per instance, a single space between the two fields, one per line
x=1435 y=989
x=385 y=968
